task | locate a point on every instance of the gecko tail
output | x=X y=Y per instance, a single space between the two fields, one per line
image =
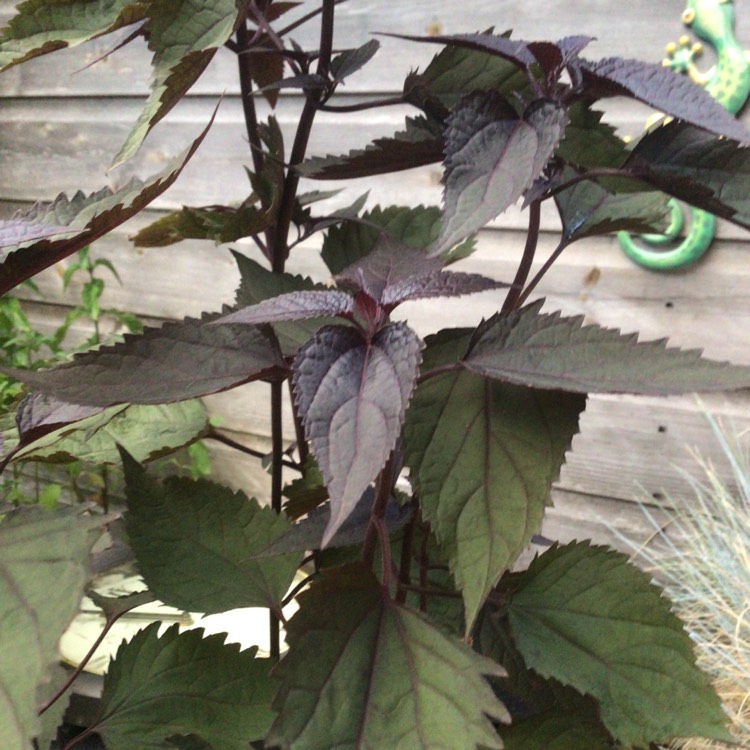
x=692 y=246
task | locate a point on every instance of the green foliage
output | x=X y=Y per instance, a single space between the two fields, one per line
x=399 y=574
x=180 y=685
x=43 y=567
x=383 y=676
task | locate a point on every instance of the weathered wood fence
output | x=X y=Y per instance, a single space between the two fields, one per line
x=61 y=123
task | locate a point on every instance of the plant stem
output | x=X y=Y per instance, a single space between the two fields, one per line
x=277 y=461
x=304 y=127
x=362 y=105
x=404 y=573
x=300 y=21
x=428 y=591
x=219 y=438
x=303 y=449
x=524 y=268
x=82 y=665
x=543 y=270
x=244 y=63
x=386 y=481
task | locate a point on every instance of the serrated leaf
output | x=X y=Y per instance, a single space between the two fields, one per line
x=266 y=67
x=220 y=224
x=587 y=209
x=43 y=569
x=292 y=306
x=587 y=617
x=417 y=145
x=184 y=35
x=492 y=157
x=307 y=534
x=176 y=362
x=352 y=60
x=258 y=284
x=416 y=227
x=483 y=457
x=17 y=232
x=196 y=542
x=456 y=70
x=363 y=672
x=589 y=142
x=352 y=395
x=40 y=27
x=708 y=172
x=661 y=88
x=553 y=57
x=147 y=432
x=95 y=214
x=393 y=273
x=550 y=351
x=184 y=684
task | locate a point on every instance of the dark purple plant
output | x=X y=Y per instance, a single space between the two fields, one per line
x=413 y=632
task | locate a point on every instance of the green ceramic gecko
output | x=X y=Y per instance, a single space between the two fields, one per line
x=729 y=83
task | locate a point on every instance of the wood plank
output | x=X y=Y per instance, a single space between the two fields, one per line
x=639 y=29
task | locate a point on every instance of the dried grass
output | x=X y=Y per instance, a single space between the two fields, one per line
x=701 y=557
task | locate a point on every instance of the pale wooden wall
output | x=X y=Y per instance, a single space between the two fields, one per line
x=60 y=126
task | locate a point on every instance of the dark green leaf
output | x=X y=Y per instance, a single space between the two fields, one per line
x=419 y=144
x=258 y=284
x=587 y=209
x=178 y=361
x=184 y=36
x=352 y=395
x=95 y=215
x=492 y=157
x=708 y=172
x=363 y=672
x=587 y=617
x=661 y=88
x=550 y=351
x=41 y=27
x=456 y=70
x=352 y=60
x=43 y=568
x=483 y=457
x=196 y=543
x=183 y=684
x=589 y=142
x=416 y=227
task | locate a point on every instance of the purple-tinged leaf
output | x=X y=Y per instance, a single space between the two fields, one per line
x=352 y=395
x=492 y=157
x=39 y=414
x=352 y=60
x=365 y=672
x=692 y=165
x=572 y=46
x=96 y=214
x=514 y=50
x=184 y=37
x=393 y=273
x=307 y=534
x=266 y=67
x=419 y=144
x=292 y=306
x=661 y=88
x=17 y=232
x=258 y=283
x=178 y=361
x=39 y=28
x=529 y=348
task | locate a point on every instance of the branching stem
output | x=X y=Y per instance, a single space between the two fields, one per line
x=524 y=267
x=543 y=270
